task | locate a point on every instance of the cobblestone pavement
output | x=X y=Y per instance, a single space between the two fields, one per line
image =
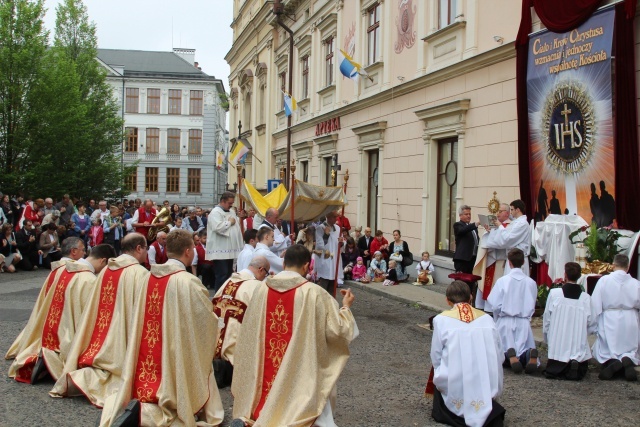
x=382 y=384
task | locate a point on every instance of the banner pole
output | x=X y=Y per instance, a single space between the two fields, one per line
x=340 y=242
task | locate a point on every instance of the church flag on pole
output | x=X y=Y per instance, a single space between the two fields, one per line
x=238 y=151
x=290 y=104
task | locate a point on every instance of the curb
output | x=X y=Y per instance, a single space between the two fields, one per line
x=424 y=306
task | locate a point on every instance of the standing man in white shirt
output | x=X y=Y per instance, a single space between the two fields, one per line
x=250 y=242
x=328 y=239
x=224 y=238
x=281 y=241
x=265 y=241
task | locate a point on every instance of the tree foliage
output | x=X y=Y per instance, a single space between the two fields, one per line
x=70 y=132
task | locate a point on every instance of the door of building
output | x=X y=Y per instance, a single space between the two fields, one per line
x=372 y=191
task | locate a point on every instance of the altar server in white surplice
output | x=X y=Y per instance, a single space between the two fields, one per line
x=516 y=235
x=616 y=302
x=464 y=396
x=568 y=320
x=513 y=300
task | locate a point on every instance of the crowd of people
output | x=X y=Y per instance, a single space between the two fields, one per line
x=33 y=230
x=136 y=333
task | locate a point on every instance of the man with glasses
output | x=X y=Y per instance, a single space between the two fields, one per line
x=490 y=263
x=49 y=343
x=97 y=353
x=72 y=250
x=229 y=304
x=516 y=236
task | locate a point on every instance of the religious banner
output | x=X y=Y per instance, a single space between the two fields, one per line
x=570 y=98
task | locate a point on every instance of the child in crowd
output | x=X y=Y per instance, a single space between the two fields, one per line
x=359 y=270
x=392 y=275
x=377 y=268
x=425 y=268
x=513 y=299
x=96 y=234
x=312 y=274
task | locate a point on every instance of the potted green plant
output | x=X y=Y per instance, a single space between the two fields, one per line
x=601 y=244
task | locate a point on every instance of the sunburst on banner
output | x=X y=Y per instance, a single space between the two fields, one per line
x=590 y=87
x=572 y=94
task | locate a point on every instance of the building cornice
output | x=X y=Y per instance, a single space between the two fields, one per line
x=245 y=37
x=476 y=62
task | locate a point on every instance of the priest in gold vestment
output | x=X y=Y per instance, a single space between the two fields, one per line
x=230 y=305
x=490 y=263
x=72 y=250
x=167 y=372
x=292 y=347
x=94 y=365
x=47 y=347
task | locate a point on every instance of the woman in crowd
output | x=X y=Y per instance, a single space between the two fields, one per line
x=175 y=212
x=7 y=209
x=112 y=227
x=349 y=257
x=50 y=245
x=9 y=248
x=379 y=243
x=399 y=250
x=82 y=222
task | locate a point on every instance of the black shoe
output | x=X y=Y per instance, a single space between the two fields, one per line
x=516 y=366
x=130 y=417
x=573 y=370
x=40 y=370
x=630 y=373
x=606 y=373
x=532 y=366
x=237 y=423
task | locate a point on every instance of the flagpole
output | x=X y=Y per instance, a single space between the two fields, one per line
x=278 y=10
x=240 y=202
x=292 y=197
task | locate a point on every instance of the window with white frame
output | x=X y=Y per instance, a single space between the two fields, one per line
x=446 y=12
x=373 y=33
x=305 y=77
x=328 y=60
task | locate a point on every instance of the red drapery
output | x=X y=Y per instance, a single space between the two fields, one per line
x=562 y=16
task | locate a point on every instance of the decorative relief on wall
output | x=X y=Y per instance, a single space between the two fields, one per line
x=404 y=22
x=349 y=45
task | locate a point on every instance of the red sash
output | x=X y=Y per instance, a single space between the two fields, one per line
x=278 y=333
x=50 y=339
x=106 y=304
x=227 y=306
x=52 y=276
x=488 y=280
x=148 y=373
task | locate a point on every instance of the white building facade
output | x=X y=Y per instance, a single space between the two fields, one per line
x=175 y=124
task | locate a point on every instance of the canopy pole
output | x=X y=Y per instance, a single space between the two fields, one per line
x=240 y=202
x=292 y=197
x=340 y=238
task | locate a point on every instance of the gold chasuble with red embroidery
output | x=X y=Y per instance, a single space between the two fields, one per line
x=168 y=363
x=60 y=317
x=20 y=342
x=293 y=345
x=94 y=364
x=230 y=305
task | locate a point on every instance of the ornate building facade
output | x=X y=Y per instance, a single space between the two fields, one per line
x=431 y=128
x=174 y=124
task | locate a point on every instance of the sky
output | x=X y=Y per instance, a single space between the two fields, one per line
x=203 y=25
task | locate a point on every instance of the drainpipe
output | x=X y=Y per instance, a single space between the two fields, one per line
x=278 y=10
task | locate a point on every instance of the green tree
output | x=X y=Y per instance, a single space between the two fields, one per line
x=100 y=135
x=23 y=42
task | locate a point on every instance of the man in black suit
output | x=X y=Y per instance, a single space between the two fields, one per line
x=27 y=244
x=466 y=234
x=364 y=243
